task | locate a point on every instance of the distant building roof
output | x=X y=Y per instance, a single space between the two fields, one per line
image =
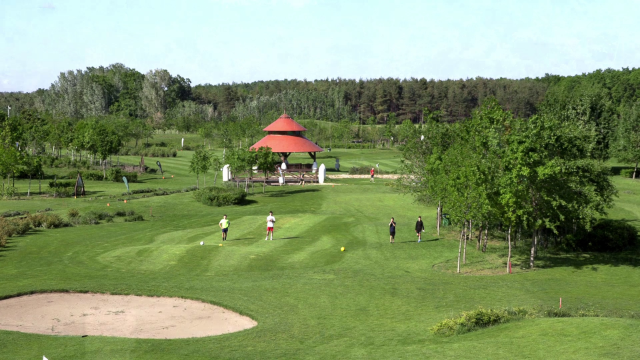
x=285 y=123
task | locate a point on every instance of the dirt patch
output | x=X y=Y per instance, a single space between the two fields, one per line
x=118 y=315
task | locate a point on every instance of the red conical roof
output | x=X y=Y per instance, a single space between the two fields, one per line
x=287 y=144
x=285 y=123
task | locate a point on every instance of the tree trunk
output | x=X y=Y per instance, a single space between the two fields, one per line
x=215 y=177
x=438 y=217
x=635 y=170
x=479 y=237
x=460 y=245
x=104 y=169
x=466 y=236
x=509 y=257
x=534 y=241
x=486 y=238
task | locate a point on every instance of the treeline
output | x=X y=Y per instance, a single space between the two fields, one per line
x=169 y=101
x=544 y=176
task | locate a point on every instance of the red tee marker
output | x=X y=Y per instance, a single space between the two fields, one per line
x=125 y=201
x=108 y=204
x=560 y=303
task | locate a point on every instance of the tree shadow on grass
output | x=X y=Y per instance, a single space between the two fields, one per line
x=416 y=241
x=240 y=239
x=288 y=238
x=548 y=259
x=581 y=261
x=290 y=192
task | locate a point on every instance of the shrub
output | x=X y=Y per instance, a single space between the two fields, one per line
x=628 y=173
x=609 y=235
x=47 y=221
x=134 y=218
x=61 y=192
x=10 y=191
x=61 y=184
x=130 y=213
x=44 y=210
x=220 y=196
x=21 y=226
x=73 y=213
x=120 y=213
x=12 y=213
x=471 y=320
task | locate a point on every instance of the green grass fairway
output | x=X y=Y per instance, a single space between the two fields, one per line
x=312 y=301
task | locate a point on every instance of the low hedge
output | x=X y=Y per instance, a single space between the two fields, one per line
x=113 y=174
x=220 y=196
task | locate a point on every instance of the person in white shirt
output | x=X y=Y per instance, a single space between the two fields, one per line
x=270 y=221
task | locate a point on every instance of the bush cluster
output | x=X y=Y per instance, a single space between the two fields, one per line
x=608 y=235
x=12 y=213
x=133 y=218
x=160 y=191
x=113 y=174
x=61 y=184
x=46 y=220
x=220 y=196
x=481 y=318
x=116 y=174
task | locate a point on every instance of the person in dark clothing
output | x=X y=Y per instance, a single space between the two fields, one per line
x=419 y=228
x=392 y=231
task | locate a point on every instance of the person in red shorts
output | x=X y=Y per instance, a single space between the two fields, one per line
x=270 y=221
x=372 y=172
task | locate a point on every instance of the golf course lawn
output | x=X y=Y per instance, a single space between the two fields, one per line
x=373 y=301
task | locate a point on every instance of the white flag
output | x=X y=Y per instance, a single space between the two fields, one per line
x=182 y=142
x=44 y=357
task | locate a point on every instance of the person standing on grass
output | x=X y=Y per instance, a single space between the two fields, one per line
x=372 y=172
x=270 y=221
x=392 y=231
x=224 y=226
x=419 y=228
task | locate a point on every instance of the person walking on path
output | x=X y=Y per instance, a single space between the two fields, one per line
x=372 y=172
x=419 y=228
x=392 y=231
x=270 y=221
x=224 y=226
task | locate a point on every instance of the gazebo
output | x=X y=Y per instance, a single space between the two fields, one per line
x=284 y=137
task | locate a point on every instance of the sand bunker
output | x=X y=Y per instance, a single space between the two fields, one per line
x=118 y=315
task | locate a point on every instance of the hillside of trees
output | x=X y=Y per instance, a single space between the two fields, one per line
x=170 y=101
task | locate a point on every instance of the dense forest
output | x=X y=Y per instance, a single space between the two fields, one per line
x=170 y=101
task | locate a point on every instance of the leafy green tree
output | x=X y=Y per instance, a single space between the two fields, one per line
x=266 y=161
x=201 y=162
x=216 y=163
x=627 y=147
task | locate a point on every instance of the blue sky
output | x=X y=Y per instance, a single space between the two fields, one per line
x=246 y=40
